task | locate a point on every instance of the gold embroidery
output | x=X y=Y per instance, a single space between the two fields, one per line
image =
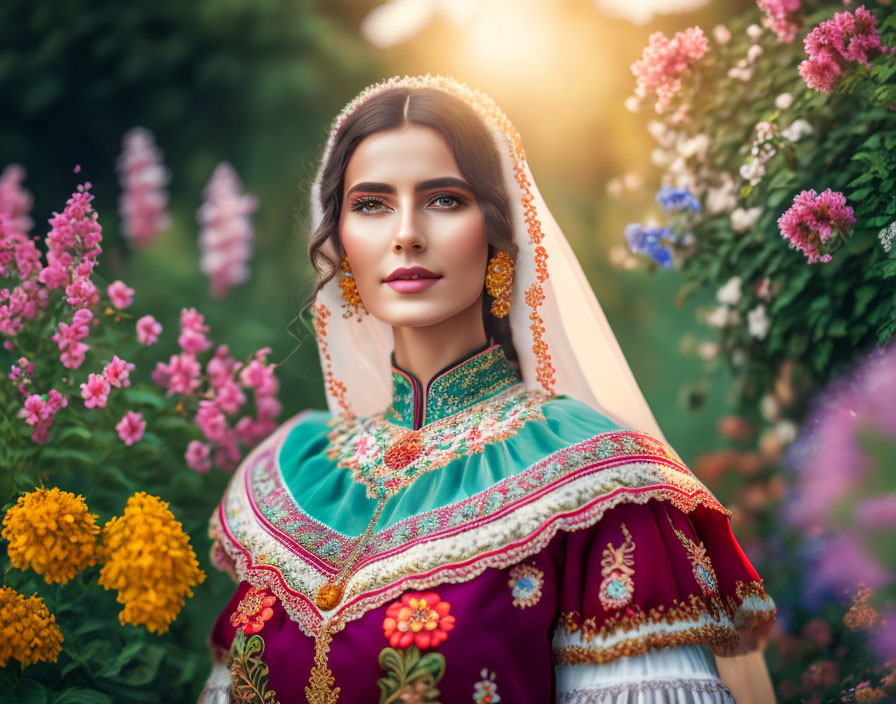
x=617 y=586
x=700 y=562
x=525 y=584
x=320 y=688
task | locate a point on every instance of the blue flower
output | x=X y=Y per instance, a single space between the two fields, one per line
x=649 y=241
x=675 y=199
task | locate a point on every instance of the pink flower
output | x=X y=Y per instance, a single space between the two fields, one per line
x=198 y=456
x=230 y=397
x=180 y=375
x=143 y=201
x=130 y=428
x=221 y=367
x=836 y=42
x=148 y=330
x=783 y=17
x=226 y=235
x=15 y=201
x=73 y=240
x=68 y=339
x=39 y=413
x=193 y=332
x=812 y=221
x=117 y=371
x=121 y=295
x=227 y=451
x=663 y=62
x=211 y=421
x=95 y=392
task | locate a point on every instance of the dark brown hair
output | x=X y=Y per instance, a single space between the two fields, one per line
x=474 y=151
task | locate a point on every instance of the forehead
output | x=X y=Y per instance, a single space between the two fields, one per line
x=407 y=155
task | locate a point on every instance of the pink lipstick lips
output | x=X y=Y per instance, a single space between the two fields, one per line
x=413 y=280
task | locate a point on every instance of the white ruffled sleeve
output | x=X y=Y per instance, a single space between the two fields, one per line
x=681 y=675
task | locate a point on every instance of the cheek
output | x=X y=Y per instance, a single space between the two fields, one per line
x=363 y=248
x=467 y=250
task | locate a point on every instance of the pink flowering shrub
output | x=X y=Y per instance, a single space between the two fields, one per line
x=75 y=339
x=660 y=68
x=783 y=17
x=812 y=222
x=225 y=238
x=837 y=42
x=222 y=395
x=143 y=201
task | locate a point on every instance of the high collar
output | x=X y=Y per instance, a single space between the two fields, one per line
x=459 y=385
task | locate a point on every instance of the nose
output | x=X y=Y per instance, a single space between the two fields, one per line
x=409 y=237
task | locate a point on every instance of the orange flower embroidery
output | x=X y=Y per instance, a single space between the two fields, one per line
x=403 y=451
x=418 y=619
x=253 y=611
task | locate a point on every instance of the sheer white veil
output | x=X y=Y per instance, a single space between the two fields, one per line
x=564 y=342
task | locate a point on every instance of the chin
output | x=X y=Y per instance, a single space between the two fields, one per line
x=418 y=314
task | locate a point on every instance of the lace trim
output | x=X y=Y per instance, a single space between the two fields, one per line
x=598 y=695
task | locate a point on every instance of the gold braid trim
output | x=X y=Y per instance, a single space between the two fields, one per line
x=320 y=688
x=719 y=638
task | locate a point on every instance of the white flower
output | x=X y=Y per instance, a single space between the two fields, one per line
x=753 y=171
x=661 y=157
x=738 y=358
x=886 y=236
x=743 y=220
x=708 y=350
x=754 y=31
x=721 y=34
x=719 y=317
x=797 y=130
x=769 y=408
x=786 y=430
x=741 y=72
x=784 y=101
x=695 y=146
x=754 y=52
x=758 y=322
x=632 y=103
x=663 y=135
x=730 y=293
x=722 y=199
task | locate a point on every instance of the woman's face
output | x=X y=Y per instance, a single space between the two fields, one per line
x=412 y=229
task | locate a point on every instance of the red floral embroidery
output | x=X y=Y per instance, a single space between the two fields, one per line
x=403 y=451
x=418 y=619
x=253 y=611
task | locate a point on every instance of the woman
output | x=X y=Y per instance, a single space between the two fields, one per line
x=498 y=518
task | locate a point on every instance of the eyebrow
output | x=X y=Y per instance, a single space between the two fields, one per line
x=443 y=182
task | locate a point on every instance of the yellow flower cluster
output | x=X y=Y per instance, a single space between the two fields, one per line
x=51 y=532
x=149 y=560
x=28 y=631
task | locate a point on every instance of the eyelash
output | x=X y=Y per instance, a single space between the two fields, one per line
x=359 y=204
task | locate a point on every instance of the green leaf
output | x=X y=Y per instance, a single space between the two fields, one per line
x=83 y=696
x=135 y=396
x=29 y=692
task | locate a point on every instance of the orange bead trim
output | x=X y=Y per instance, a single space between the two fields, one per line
x=336 y=388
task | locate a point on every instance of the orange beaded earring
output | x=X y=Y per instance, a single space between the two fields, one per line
x=499 y=283
x=353 y=304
